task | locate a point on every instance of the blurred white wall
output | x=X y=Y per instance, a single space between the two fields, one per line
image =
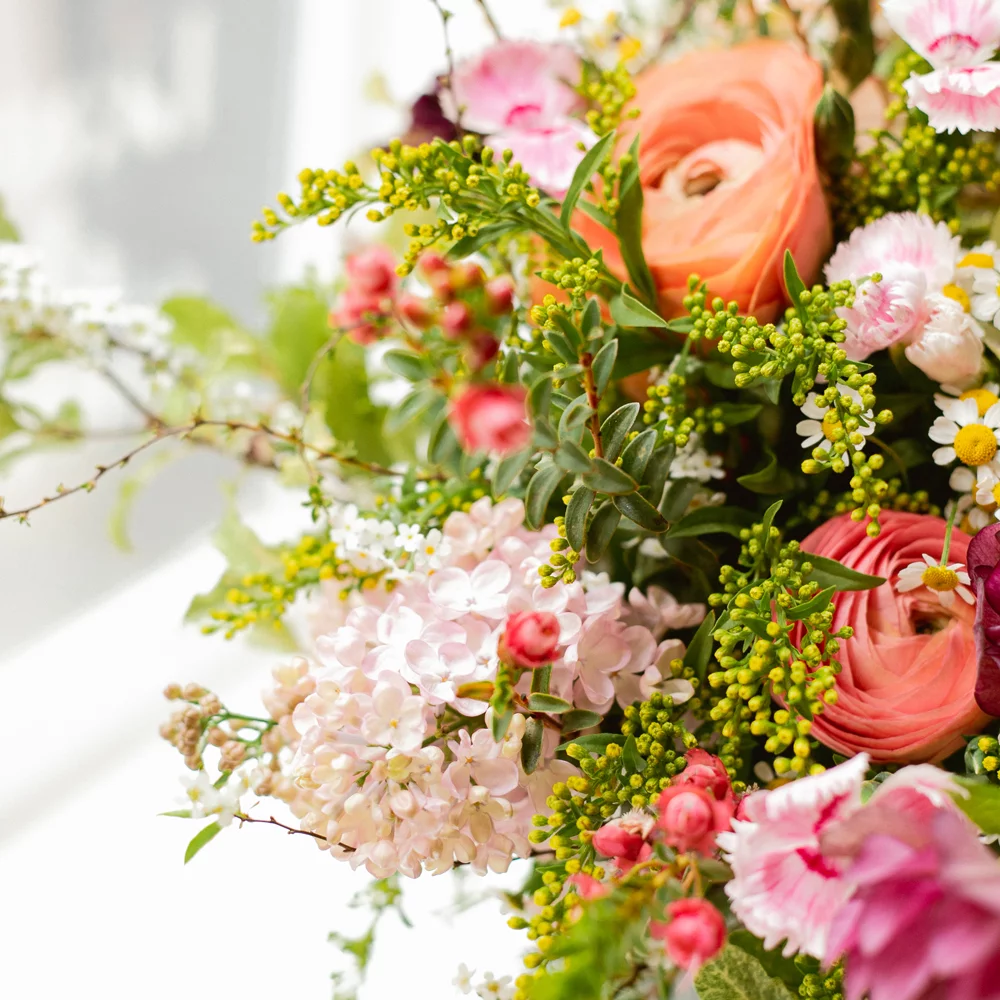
x=138 y=140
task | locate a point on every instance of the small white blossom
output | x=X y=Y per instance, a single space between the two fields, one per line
x=943 y=580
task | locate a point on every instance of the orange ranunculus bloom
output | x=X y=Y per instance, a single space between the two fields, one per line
x=727 y=163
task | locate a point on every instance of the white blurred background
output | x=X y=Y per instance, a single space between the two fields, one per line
x=138 y=140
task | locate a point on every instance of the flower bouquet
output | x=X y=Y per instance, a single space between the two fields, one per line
x=652 y=478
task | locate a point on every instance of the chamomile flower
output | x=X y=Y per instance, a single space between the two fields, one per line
x=986 y=296
x=965 y=434
x=824 y=427
x=944 y=581
x=971 y=517
x=987 y=493
x=985 y=396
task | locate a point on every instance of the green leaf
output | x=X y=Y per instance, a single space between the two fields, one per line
x=540 y=396
x=627 y=310
x=982 y=805
x=540 y=489
x=501 y=723
x=829 y=572
x=583 y=174
x=735 y=975
x=531 y=745
x=699 y=651
x=738 y=413
x=628 y=221
x=487 y=235
x=711 y=520
x=602 y=529
x=616 y=428
x=770 y=479
x=794 y=285
x=576 y=517
x=678 y=497
x=811 y=607
x=638 y=452
x=634 y=762
x=639 y=510
x=508 y=469
x=411 y=366
x=442 y=444
x=561 y=345
x=596 y=742
x=575 y=415
x=544 y=436
x=200 y=839
x=775 y=964
x=410 y=409
x=179 y=813
x=578 y=719
x=548 y=703
x=638 y=352
x=607 y=478
x=604 y=364
x=197 y=320
x=8 y=231
x=657 y=472
x=769 y=516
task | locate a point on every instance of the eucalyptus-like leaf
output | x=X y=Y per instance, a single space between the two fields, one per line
x=531 y=745
x=638 y=509
x=540 y=489
x=509 y=468
x=548 y=703
x=638 y=452
x=571 y=457
x=604 y=364
x=576 y=517
x=604 y=477
x=616 y=428
x=579 y=718
x=602 y=528
x=411 y=366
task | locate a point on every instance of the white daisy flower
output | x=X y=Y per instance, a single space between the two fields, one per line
x=971 y=517
x=965 y=435
x=694 y=462
x=945 y=581
x=985 y=396
x=820 y=430
x=985 y=299
x=983 y=260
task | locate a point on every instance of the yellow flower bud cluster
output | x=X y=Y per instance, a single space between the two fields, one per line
x=921 y=171
x=826 y=505
x=982 y=756
x=561 y=562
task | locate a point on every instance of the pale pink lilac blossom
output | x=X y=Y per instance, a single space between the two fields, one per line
x=373 y=775
x=957 y=37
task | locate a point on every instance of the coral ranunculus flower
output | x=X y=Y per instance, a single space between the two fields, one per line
x=728 y=168
x=907 y=689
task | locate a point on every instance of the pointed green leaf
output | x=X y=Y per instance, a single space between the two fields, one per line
x=575 y=415
x=540 y=489
x=540 y=396
x=200 y=839
x=811 y=607
x=634 y=762
x=628 y=221
x=711 y=520
x=638 y=452
x=794 y=285
x=509 y=468
x=580 y=718
x=604 y=364
x=616 y=428
x=586 y=169
x=411 y=366
x=548 y=703
x=572 y=457
x=638 y=509
x=735 y=975
x=576 y=517
x=596 y=742
x=531 y=745
x=829 y=572
x=699 y=650
x=607 y=478
x=602 y=529
x=179 y=813
x=501 y=723
x=627 y=310
x=772 y=478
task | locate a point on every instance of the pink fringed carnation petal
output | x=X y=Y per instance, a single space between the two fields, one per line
x=955 y=33
x=959 y=100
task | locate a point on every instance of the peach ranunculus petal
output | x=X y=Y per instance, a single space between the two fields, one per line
x=741 y=120
x=906 y=692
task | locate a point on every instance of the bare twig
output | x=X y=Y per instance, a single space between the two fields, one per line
x=672 y=31
x=271 y=821
x=490 y=19
x=593 y=401
x=796 y=20
x=445 y=16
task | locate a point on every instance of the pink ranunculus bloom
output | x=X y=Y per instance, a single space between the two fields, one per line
x=950 y=349
x=947 y=32
x=694 y=932
x=924 y=920
x=531 y=638
x=372 y=272
x=490 y=418
x=705 y=770
x=548 y=155
x=514 y=84
x=958 y=100
x=784 y=888
x=906 y=689
x=690 y=818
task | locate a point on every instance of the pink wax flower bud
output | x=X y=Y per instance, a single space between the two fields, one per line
x=490 y=418
x=359 y=316
x=614 y=841
x=467 y=274
x=706 y=771
x=456 y=319
x=690 y=818
x=695 y=932
x=500 y=295
x=587 y=887
x=531 y=639
x=482 y=350
x=433 y=263
x=415 y=310
x=373 y=272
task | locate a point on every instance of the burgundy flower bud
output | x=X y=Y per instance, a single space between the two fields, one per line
x=983 y=560
x=531 y=639
x=500 y=295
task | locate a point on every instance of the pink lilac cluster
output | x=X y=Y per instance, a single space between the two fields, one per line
x=910 y=306
x=958 y=38
x=901 y=886
x=520 y=95
x=388 y=781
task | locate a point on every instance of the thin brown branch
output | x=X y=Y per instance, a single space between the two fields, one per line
x=271 y=821
x=445 y=16
x=152 y=420
x=490 y=19
x=593 y=401
x=796 y=19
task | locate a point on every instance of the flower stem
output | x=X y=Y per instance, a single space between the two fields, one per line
x=946 y=548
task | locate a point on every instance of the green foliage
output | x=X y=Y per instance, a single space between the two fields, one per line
x=200 y=839
x=981 y=803
x=735 y=975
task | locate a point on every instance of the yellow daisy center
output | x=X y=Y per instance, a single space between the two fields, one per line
x=975 y=444
x=983 y=397
x=940 y=578
x=976 y=260
x=831 y=424
x=959 y=295
x=996 y=494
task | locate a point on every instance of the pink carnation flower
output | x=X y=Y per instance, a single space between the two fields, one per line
x=520 y=95
x=958 y=100
x=924 y=921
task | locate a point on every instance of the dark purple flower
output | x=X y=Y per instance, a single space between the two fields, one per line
x=427 y=122
x=984 y=569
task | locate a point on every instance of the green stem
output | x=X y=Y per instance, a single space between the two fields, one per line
x=946 y=548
